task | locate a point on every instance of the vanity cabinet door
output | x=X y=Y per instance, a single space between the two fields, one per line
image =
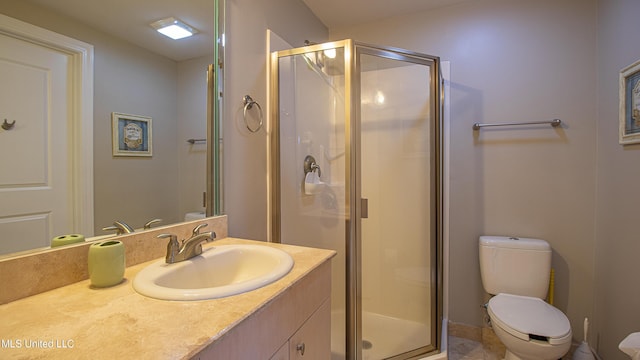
x=313 y=340
x=282 y=353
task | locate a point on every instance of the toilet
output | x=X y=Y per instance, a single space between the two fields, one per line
x=631 y=346
x=196 y=215
x=516 y=272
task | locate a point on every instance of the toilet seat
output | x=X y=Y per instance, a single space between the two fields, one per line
x=522 y=316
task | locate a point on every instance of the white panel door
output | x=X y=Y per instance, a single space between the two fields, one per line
x=35 y=189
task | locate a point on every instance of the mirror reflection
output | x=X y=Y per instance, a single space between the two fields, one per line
x=136 y=72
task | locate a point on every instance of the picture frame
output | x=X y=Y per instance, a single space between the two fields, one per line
x=629 y=112
x=131 y=135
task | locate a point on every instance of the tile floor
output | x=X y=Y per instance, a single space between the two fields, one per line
x=465 y=349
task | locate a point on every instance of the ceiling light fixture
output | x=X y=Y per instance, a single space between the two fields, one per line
x=173 y=28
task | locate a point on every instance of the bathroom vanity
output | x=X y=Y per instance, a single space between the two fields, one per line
x=287 y=319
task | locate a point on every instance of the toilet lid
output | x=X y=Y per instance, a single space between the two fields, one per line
x=522 y=316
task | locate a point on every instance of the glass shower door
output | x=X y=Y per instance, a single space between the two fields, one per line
x=365 y=120
x=397 y=179
x=310 y=117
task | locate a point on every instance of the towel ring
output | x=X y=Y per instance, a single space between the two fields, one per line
x=248 y=105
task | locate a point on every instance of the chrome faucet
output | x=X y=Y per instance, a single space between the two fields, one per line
x=120 y=227
x=189 y=248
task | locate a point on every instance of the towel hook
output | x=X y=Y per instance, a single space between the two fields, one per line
x=8 y=125
x=248 y=105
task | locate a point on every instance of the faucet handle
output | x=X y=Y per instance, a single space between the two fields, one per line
x=151 y=222
x=173 y=247
x=196 y=230
x=112 y=228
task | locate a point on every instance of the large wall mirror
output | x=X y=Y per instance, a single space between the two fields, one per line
x=137 y=71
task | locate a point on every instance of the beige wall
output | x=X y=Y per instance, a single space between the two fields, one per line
x=245 y=161
x=514 y=62
x=135 y=82
x=132 y=80
x=617 y=294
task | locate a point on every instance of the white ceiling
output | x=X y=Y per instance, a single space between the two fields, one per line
x=130 y=19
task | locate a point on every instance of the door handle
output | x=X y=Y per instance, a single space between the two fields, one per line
x=364 y=208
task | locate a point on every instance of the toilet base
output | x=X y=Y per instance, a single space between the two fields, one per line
x=511 y=356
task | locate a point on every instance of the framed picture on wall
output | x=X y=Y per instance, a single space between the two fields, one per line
x=630 y=104
x=131 y=135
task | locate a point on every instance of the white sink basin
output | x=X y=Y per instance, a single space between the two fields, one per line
x=219 y=271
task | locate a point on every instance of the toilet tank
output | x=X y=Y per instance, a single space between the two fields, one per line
x=518 y=266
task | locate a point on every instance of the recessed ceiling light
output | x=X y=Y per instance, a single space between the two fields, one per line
x=173 y=28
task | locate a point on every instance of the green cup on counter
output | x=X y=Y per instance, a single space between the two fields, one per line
x=106 y=263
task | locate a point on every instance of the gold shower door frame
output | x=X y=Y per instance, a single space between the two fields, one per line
x=353 y=199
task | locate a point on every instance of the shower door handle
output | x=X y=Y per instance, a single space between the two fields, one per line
x=364 y=208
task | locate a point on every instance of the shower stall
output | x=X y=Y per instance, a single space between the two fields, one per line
x=355 y=166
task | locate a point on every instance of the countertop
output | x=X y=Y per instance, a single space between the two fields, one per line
x=78 y=321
